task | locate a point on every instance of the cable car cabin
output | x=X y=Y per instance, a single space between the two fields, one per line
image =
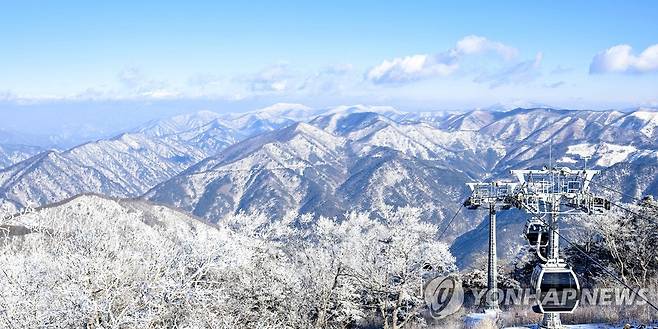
x=536 y=233
x=600 y=204
x=471 y=203
x=557 y=289
x=592 y=205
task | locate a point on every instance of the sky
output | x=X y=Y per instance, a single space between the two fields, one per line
x=64 y=59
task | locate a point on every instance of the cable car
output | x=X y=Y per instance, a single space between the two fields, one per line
x=536 y=233
x=599 y=205
x=557 y=289
x=471 y=203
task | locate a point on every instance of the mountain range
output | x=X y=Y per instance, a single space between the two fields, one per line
x=289 y=157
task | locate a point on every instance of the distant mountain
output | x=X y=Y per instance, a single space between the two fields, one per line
x=570 y=137
x=473 y=120
x=66 y=137
x=178 y=124
x=125 y=166
x=336 y=163
x=629 y=181
x=270 y=118
x=288 y=169
x=470 y=151
x=12 y=153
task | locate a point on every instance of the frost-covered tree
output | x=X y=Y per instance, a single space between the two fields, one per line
x=389 y=260
x=98 y=263
x=623 y=240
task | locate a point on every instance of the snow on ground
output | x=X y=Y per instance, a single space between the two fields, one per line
x=608 y=154
x=566 y=159
x=611 y=154
x=584 y=150
x=650 y=119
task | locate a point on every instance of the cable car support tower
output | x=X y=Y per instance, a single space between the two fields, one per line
x=491 y=195
x=544 y=193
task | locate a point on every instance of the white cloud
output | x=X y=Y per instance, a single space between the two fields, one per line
x=411 y=68
x=337 y=69
x=620 y=59
x=271 y=79
x=6 y=95
x=330 y=80
x=137 y=84
x=554 y=84
x=422 y=66
x=160 y=94
x=474 y=44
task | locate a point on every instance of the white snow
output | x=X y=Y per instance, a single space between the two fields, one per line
x=650 y=119
x=608 y=154
x=611 y=154
x=583 y=150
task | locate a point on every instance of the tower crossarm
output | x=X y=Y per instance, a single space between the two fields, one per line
x=496 y=193
x=563 y=186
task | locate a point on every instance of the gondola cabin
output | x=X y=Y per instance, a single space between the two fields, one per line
x=472 y=203
x=536 y=233
x=557 y=289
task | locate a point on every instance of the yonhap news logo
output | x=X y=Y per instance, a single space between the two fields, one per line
x=443 y=295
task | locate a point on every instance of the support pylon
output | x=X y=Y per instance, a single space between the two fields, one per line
x=552 y=320
x=492 y=263
x=493 y=194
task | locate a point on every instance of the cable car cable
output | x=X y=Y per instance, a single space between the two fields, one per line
x=453 y=217
x=630 y=196
x=450 y=222
x=619 y=192
x=653 y=221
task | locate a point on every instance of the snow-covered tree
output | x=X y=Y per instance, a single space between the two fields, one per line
x=389 y=260
x=623 y=240
x=99 y=263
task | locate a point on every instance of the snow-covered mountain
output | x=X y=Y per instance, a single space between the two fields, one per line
x=270 y=118
x=336 y=163
x=125 y=166
x=12 y=153
x=569 y=137
x=178 y=124
x=212 y=132
x=289 y=169
x=329 y=161
x=348 y=159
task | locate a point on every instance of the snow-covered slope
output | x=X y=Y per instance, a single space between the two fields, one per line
x=288 y=169
x=65 y=263
x=325 y=171
x=127 y=165
x=467 y=150
x=204 y=130
x=473 y=120
x=95 y=210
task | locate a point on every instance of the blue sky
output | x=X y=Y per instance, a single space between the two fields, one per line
x=413 y=55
